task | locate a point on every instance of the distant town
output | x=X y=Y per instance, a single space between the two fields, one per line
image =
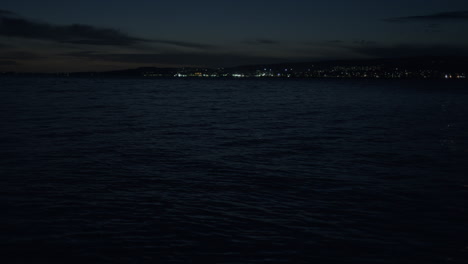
x=407 y=68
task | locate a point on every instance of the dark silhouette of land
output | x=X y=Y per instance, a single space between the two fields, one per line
x=401 y=68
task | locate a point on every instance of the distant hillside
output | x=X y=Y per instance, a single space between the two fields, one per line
x=416 y=67
x=415 y=63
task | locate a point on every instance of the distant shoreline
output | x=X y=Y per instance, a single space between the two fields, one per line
x=99 y=76
x=402 y=68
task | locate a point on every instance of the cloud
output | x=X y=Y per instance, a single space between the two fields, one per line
x=7 y=13
x=14 y=26
x=324 y=43
x=365 y=42
x=75 y=34
x=373 y=49
x=335 y=41
x=186 y=44
x=340 y=43
x=20 y=55
x=408 y=50
x=8 y=63
x=261 y=42
x=176 y=59
x=437 y=17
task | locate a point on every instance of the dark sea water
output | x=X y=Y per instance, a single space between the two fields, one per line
x=233 y=171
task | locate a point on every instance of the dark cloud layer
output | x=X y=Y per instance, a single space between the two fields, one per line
x=261 y=42
x=14 y=26
x=186 y=44
x=373 y=49
x=6 y=12
x=335 y=41
x=437 y=17
x=198 y=59
x=408 y=50
x=20 y=55
x=7 y=63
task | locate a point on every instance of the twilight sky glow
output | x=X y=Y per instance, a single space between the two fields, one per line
x=90 y=35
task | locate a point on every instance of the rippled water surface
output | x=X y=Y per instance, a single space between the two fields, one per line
x=233 y=171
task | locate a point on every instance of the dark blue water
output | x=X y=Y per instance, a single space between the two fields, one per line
x=233 y=171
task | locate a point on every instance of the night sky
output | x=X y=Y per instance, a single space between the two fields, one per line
x=57 y=35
